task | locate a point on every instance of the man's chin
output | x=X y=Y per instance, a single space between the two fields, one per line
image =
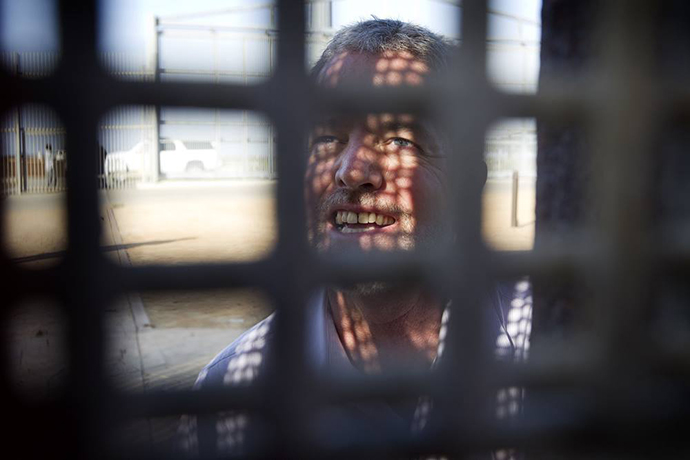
x=335 y=244
x=373 y=288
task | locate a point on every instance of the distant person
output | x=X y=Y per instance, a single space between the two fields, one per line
x=49 y=165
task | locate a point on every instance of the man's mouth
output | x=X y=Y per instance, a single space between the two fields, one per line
x=358 y=222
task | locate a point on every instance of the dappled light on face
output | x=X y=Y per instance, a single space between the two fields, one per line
x=332 y=72
x=374 y=183
x=397 y=68
x=390 y=68
x=386 y=167
x=356 y=337
x=365 y=332
x=403 y=182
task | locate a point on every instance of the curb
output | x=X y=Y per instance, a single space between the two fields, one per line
x=141 y=319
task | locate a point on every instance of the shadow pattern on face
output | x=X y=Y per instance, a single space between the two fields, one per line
x=375 y=182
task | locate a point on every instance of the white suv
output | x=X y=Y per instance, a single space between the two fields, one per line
x=126 y=161
x=176 y=158
x=187 y=156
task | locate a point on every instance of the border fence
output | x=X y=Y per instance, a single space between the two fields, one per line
x=242 y=141
x=33 y=151
x=32 y=136
x=241 y=55
x=588 y=392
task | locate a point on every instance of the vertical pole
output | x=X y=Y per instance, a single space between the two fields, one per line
x=463 y=398
x=320 y=16
x=156 y=164
x=214 y=35
x=271 y=147
x=291 y=407
x=18 y=152
x=271 y=167
x=216 y=80
x=84 y=284
x=17 y=127
x=22 y=155
x=245 y=114
x=514 y=204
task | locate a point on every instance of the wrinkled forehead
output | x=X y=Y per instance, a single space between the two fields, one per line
x=391 y=68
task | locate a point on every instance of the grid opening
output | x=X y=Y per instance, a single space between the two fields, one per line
x=34 y=170
x=509 y=196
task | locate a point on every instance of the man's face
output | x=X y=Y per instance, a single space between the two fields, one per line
x=375 y=182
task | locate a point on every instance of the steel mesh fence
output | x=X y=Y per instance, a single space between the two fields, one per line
x=617 y=269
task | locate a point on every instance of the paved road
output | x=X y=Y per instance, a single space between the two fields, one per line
x=170 y=223
x=231 y=221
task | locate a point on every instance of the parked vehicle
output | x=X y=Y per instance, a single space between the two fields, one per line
x=131 y=160
x=177 y=157
x=188 y=156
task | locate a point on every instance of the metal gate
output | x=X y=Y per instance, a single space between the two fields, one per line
x=32 y=136
x=190 y=51
x=592 y=393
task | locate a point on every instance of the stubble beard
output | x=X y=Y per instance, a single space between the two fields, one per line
x=428 y=237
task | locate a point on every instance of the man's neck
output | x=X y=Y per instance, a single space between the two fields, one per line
x=395 y=329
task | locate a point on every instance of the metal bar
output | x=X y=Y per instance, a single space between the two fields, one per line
x=156 y=163
x=580 y=431
x=23 y=159
x=77 y=105
x=462 y=401
x=618 y=251
x=18 y=126
x=623 y=187
x=291 y=289
x=562 y=98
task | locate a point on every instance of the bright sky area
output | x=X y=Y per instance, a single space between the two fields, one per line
x=29 y=25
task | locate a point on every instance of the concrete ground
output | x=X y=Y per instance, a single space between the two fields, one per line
x=161 y=340
x=496 y=225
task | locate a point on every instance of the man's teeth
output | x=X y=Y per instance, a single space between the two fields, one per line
x=347 y=217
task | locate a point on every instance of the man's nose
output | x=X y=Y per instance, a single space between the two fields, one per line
x=359 y=167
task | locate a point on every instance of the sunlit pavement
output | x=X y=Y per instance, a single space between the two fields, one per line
x=171 y=223
x=190 y=222
x=187 y=329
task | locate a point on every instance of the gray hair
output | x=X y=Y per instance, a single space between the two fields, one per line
x=378 y=36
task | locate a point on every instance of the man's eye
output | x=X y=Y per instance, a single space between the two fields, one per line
x=397 y=143
x=401 y=142
x=325 y=140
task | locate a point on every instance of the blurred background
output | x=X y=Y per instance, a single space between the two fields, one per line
x=184 y=185
x=225 y=42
